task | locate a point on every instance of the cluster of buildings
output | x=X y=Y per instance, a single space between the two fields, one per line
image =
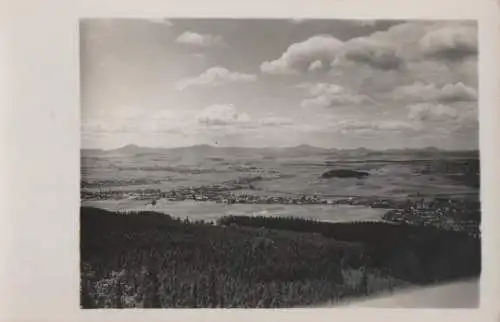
x=118 y=194
x=449 y=214
x=102 y=184
x=203 y=193
x=446 y=213
x=221 y=194
x=288 y=200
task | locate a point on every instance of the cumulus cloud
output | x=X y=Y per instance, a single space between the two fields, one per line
x=315 y=65
x=222 y=115
x=199 y=40
x=329 y=95
x=215 y=76
x=439 y=119
x=299 y=56
x=409 y=49
x=349 y=124
x=429 y=112
x=394 y=126
x=420 y=91
x=276 y=121
x=326 y=50
x=320 y=88
x=228 y=118
x=450 y=43
x=328 y=100
x=371 y=52
x=363 y=126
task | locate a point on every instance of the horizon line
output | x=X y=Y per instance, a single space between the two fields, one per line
x=279 y=147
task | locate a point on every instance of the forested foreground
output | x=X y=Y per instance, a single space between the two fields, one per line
x=153 y=260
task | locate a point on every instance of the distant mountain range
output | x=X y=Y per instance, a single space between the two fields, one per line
x=303 y=149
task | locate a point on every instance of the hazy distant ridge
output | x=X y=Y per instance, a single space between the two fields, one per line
x=303 y=148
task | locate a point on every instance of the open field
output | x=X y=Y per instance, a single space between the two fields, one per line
x=211 y=211
x=191 y=182
x=391 y=175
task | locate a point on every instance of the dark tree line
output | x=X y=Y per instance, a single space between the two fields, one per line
x=434 y=254
x=148 y=259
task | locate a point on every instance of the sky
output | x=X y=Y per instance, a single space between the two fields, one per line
x=255 y=83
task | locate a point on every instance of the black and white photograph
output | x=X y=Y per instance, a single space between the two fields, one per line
x=277 y=163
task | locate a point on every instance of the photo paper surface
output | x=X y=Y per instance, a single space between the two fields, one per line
x=279 y=163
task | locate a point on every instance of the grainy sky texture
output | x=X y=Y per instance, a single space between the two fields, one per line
x=232 y=82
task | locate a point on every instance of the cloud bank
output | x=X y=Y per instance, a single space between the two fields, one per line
x=222 y=115
x=450 y=43
x=370 y=52
x=419 y=91
x=299 y=56
x=215 y=76
x=199 y=40
x=384 y=50
x=328 y=95
x=431 y=112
